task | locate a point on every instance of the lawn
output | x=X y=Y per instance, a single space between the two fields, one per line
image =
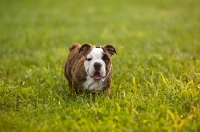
x=156 y=79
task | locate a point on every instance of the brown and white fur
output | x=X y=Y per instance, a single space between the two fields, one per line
x=89 y=68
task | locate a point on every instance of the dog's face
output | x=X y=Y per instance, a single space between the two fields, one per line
x=97 y=63
x=98 y=60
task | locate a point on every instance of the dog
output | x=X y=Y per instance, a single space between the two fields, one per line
x=89 y=68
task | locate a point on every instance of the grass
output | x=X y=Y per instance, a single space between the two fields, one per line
x=156 y=82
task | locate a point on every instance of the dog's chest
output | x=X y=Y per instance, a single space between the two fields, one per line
x=93 y=86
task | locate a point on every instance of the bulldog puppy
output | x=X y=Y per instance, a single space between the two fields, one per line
x=89 y=68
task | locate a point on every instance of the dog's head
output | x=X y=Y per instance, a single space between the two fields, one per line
x=97 y=60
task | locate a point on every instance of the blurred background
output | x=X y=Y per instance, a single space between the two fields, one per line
x=34 y=33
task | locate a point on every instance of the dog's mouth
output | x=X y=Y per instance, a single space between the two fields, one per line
x=97 y=76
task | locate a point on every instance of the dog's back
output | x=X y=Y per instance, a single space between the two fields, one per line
x=73 y=56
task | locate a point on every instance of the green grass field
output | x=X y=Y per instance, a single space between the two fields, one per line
x=156 y=80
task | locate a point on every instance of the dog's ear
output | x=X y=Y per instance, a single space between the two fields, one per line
x=111 y=50
x=84 y=48
x=73 y=46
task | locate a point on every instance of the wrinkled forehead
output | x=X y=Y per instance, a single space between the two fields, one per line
x=96 y=52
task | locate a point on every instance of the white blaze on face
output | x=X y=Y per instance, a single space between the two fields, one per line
x=95 y=78
x=95 y=56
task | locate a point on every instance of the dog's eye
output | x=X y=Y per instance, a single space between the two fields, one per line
x=105 y=58
x=89 y=59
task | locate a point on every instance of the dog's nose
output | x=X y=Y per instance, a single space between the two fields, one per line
x=97 y=66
